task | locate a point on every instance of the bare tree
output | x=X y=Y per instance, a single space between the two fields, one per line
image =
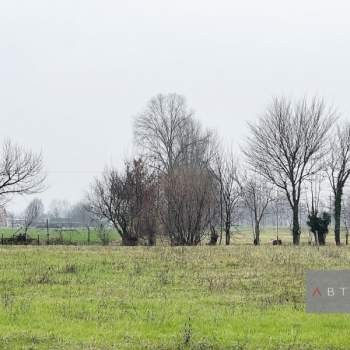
x=186 y=202
x=32 y=213
x=177 y=146
x=257 y=195
x=109 y=199
x=21 y=171
x=121 y=198
x=170 y=137
x=142 y=184
x=338 y=171
x=215 y=211
x=287 y=146
x=225 y=170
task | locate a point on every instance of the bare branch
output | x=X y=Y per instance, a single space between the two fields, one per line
x=21 y=171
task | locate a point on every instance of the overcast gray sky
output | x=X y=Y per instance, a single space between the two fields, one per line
x=74 y=73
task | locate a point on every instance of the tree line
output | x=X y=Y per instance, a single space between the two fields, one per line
x=184 y=184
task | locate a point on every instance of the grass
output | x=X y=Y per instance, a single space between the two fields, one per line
x=236 y=297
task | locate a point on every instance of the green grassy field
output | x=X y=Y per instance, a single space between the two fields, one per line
x=236 y=297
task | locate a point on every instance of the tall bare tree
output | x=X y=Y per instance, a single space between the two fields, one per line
x=179 y=148
x=169 y=136
x=225 y=170
x=257 y=195
x=287 y=146
x=338 y=171
x=21 y=171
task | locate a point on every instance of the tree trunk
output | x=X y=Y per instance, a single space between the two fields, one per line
x=129 y=241
x=321 y=238
x=213 y=236
x=228 y=227
x=337 y=213
x=221 y=214
x=296 y=226
x=257 y=233
x=228 y=236
x=151 y=237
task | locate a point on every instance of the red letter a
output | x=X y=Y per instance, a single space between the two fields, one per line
x=316 y=292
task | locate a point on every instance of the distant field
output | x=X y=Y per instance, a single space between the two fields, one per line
x=237 y=297
x=243 y=235
x=240 y=235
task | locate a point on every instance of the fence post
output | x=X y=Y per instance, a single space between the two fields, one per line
x=38 y=240
x=47 y=232
x=2 y=239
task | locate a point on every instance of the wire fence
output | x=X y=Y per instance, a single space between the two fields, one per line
x=58 y=237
